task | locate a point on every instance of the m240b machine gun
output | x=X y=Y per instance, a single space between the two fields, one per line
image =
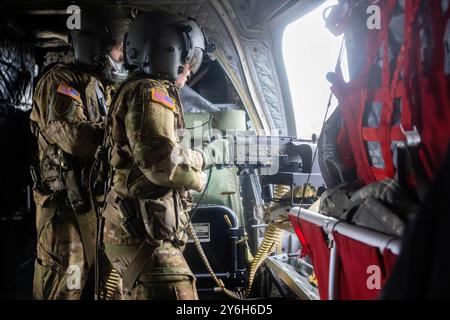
x=278 y=161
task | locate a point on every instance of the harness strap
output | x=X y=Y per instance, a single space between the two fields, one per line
x=45 y=220
x=37 y=132
x=137 y=265
x=142 y=257
x=354 y=95
x=86 y=239
x=397 y=87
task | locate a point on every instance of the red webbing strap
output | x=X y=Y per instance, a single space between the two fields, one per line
x=381 y=134
x=363 y=163
x=345 y=93
x=404 y=57
x=372 y=134
x=390 y=90
x=387 y=103
x=352 y=117
x=404 y=88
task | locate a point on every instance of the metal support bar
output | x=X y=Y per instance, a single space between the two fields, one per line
x=260 y=226
x=361 y=234
x=395 y=246
x=294 y=179
x=333 y=270
x=368 y=237
x=318 y=219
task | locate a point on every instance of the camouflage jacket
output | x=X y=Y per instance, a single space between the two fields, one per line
x=66 y=116
x=150 y=167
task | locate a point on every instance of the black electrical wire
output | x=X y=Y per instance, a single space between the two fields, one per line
x=199 y=201
x=203 y=124
x=94 y=168
x=202 y=195
x=338 y=63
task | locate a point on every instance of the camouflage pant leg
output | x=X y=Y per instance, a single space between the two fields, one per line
x=165 y=287
x=60 y=267
x=166 y=277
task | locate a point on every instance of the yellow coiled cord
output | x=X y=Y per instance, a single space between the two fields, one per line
x=271 y=240
x=204 y=258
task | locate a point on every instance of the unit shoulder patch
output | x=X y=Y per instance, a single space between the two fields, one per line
x=163 y=98
x=69 y=91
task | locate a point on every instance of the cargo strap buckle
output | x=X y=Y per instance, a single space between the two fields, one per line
x=413 y=138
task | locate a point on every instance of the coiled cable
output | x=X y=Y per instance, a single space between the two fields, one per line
x=272 y=238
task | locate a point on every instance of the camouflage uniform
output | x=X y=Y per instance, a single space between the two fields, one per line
x=151 y=176
x=68 y=124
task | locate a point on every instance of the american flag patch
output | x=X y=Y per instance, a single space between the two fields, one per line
x=162 y=98
x=69 y=91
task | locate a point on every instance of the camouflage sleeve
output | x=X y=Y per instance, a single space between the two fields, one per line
x=61 y=117
x=150 y=128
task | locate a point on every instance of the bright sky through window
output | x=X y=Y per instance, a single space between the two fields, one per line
x=310 y=52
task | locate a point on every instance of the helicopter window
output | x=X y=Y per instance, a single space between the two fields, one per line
x=310 y=52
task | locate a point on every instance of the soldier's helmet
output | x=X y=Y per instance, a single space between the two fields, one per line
x=101 y=30
x=161 y=43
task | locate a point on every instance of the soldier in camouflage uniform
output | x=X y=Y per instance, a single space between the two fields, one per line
x=67 y=118
x=148 y=203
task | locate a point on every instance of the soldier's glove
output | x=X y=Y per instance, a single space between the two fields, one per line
x=215 y=153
